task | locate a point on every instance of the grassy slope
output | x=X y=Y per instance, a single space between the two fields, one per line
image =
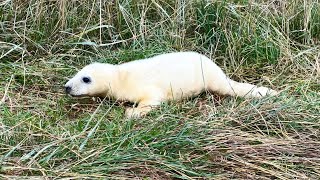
x=272 y=43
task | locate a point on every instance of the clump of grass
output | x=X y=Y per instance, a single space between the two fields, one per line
x=46 y=134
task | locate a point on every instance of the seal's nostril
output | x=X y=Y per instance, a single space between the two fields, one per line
x=68 y=89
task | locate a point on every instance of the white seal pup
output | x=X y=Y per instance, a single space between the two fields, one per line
x=148 y=82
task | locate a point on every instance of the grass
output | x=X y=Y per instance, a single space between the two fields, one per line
x=46 y=134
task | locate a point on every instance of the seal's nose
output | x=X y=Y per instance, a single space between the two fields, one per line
x=68 y=89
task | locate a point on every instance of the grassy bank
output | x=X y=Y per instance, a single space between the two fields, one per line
x=44 y=133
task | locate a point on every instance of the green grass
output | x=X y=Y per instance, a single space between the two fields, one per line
x=44 y=133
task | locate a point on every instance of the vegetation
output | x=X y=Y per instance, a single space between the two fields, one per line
x=44 y=133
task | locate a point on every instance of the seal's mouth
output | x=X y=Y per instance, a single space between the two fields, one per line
x=70 y=91
x=70 y=94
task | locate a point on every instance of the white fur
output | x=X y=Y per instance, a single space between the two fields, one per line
x=149 y=82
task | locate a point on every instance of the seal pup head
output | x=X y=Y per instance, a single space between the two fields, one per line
x=92 y=80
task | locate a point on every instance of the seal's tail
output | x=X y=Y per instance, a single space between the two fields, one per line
x=233 y=88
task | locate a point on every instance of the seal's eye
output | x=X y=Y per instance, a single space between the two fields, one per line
x=86 y=80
